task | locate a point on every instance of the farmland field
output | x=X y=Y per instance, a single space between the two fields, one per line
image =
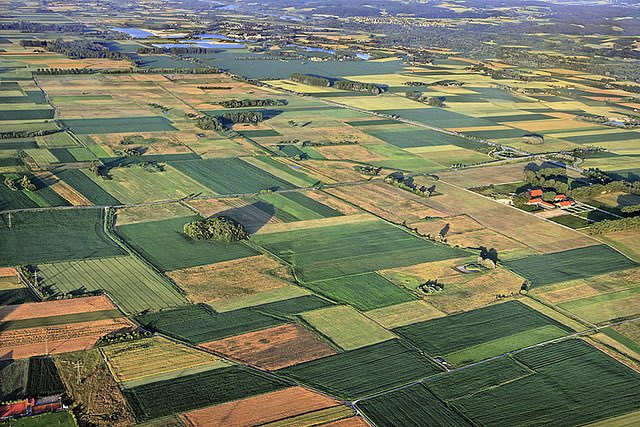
x=195 y=391
x=483 y=333
x=572 y=264
x=333 y=251
x=364 y=371
x=129 y=282
x=165 y=245
x=37 y=237
x=479 y=394
x=119 y=125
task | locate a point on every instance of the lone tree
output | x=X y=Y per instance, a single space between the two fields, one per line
x=222 y=229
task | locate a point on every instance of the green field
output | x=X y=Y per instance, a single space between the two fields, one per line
x=230 y=176
x=569 y=381
x=346 y=327
x=364 y=371
x=32 y=377
x=571 y=221
x=87 y=187
x=61 y=419
x=132 y=285
x=479 y=334
x=195 y=391
x=119 y=125
x=47 y=236
x=365 y=291
x=165 y=245
x=198 y=324
x=342 y=250
x=579 y=263
x=295 y=206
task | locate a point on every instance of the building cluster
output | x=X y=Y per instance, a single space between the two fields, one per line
x=560 y=201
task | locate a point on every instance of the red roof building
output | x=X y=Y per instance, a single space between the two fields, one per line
x=560 y=197
x=534 y=201
x=535 y=193
x=546 y=205
x=565 y=203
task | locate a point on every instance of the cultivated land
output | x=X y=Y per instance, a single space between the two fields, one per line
x=385 y=267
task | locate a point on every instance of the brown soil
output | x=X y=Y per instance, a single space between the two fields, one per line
x=55 y=308
x=273 y=348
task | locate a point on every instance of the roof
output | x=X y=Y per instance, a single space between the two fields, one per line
x=534 y=200
x=535 y=193
x=566 y=203
x=546 y=204
x=560 y=197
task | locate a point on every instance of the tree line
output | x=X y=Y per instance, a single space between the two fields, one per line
x=338 y=84
x=241 y=103
x=75 y=49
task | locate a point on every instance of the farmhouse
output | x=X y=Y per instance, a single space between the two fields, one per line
x=560 y=200
x=31 y=406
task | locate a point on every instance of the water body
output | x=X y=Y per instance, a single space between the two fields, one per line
x=136 y=33
x=206 y=45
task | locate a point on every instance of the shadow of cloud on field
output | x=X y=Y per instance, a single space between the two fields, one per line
x=252 y=217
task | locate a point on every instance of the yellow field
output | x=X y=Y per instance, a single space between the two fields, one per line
x=134 y=360
x=404 y=314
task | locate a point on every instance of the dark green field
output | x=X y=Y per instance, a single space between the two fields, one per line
x=579 y=263
x=341 y=250
x=195 y=391
x=363 y=291
x=32 y=377
x=165 y=245
x=38 y=237
x=230 y=176
x=569 y=381
x=492 y=326
x=85 y=186
x=119 y=125
x=364 y=371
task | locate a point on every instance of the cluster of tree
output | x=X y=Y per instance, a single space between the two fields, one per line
x=611 y=225
x=208 y=123
x=358 y=86
x=116 y=337
x=416 y=84
x=240 y=103
x=151 y=166
x=435 y=101
x=309 y=80
x=533 y=139
x=555 y=178
x=130 y=152
x=253 y=117
x=431 y=286
x=159 y=107
x=215 y=87
x=222 y=229
x=99 y=169
x=488 y=258
x=37 y=27
x=23 y=183
x=191 y=50
x=76 y=49
x=62 y=71
x=369 y=170
x=27 y=133
x=632 y=209
x=397 y=179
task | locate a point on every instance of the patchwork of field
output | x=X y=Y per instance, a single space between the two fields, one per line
x=483 y=394
x=32 y=377
x=57 y=326
x=480 y=334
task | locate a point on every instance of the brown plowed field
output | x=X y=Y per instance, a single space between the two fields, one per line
x=260 y=409
x=348 y=422
x=29 y=342
x=273 y=348
x=55 y=308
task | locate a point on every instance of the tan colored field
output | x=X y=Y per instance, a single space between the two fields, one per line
x=136 y=214
x=261 y=409
x=487 y=238
x=330 y=172
x=477 y=177
x=21 y=343
x=626 y=242
x=273 y=348
x=528 y=230
x=348 y=422
x=386 y=201
x=244 y=276
x=315 y=223
x=404 y=314
x=130 y=361
x=9 y=272
x=63 y=189
x=333 y=202
x=55 y=308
